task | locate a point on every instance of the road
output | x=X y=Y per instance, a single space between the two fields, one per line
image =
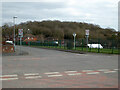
x=44 y=68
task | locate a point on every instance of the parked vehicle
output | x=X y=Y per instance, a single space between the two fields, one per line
x=55 y=42
x=10 y=42
x=95 y=46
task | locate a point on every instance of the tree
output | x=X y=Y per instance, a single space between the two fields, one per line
x=60 y=30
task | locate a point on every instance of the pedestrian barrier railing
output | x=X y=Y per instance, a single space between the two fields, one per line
x=109 y=46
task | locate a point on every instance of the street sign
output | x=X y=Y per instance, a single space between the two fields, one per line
x=74 y=34
x=87 y=32
x=20 y=32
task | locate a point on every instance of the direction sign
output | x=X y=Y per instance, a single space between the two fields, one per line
x=74 y=34
x=20 y=32
x=87 y=32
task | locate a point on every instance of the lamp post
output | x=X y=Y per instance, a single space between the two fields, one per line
x=14 y=32
x=74 y=35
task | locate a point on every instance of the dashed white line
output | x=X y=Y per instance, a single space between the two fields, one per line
x=103 y=70
x=51 y=73
x=110 y=72
x=55 y=75
x=8 y=79
x=32 y=77
x=30 y=74
x=87 y=70
x=70 y=71
x=93 y=73
x=72 y=74
x=9 y=75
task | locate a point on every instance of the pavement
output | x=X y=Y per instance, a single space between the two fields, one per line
x=18 y=52
x=43 y=68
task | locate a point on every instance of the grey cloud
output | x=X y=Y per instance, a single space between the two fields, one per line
x=29 y=9
x=99 y=12
x=32 y=5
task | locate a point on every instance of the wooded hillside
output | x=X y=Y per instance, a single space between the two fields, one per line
x=61 y=30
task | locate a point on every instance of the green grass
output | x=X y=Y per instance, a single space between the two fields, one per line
x=94 y=50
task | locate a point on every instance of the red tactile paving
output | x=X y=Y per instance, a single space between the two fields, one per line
x=88 y=81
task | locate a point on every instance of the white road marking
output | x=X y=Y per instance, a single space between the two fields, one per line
x=109 y=71
x=29 y=74
x=72 y=74
x=9 y=76
x=70 y=71
x=103 y=70
x=32 y=77
x=93 y=73
x=51 y=73
x=55 y=75
x=87 y=70
x=8 y=79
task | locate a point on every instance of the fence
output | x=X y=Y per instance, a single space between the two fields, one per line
x=109 y=46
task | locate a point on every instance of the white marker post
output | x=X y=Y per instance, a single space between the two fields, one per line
x=20 y=33
x=74 y=35
x=87 y=35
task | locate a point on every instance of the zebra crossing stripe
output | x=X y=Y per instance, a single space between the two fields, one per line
x=103 y=70
x=8 y=75
x=8 y=79
x=93 y=73
x=32 y=77
x=87 y=70
x=30 y=74
x=110 y=72
x=72 y=74
x=55 y=75
x=70 y=71
x=51 y=73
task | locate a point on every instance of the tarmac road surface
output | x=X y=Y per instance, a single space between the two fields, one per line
x=44 y=68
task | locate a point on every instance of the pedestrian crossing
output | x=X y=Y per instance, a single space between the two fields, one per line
x=28 y=76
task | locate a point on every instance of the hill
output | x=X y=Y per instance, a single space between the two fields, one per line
x=61 y=30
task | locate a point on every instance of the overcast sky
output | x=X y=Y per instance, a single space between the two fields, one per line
x=100 y=12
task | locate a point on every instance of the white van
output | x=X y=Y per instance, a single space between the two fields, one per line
x=95 y=46
x=11 y=42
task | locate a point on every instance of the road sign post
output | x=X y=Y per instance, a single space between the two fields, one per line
x=20 y=45
x=74 y=35
x=20 y=33
x=87 y=35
